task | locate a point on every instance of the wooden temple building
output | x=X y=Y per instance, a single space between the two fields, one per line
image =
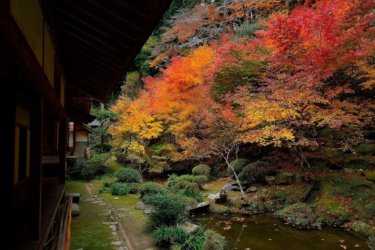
x=56 y=56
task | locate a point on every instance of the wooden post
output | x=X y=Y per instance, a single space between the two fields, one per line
x=36 y=128
x=7 y=145
x=63 y=128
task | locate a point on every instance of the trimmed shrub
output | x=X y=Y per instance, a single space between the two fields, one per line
x=149 y=188
x=213 y=241
x=169 y=209
x=300 y=215
x=254 y=172
x=94 y=166
x=128 y=175
x=187 y=185
x=237 y=165
x=120 y=189
x=199 y=179
x=201 y=169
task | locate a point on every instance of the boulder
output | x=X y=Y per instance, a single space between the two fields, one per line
x=231 y=186
x=75 y=209
x=141 y=206
x=252 y=189
x=200 y=207
x=270 y=180
x=285 y=178
x=189 y=227
x=218 y=198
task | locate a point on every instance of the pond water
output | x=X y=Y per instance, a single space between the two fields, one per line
x=263 y=232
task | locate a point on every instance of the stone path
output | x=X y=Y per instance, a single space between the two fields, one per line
x=118 y=239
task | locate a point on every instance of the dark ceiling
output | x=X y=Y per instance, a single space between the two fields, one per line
x=98 y=39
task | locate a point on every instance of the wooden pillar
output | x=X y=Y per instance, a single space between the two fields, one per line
x=7 y=145
x=63 y=128
x=36 y=128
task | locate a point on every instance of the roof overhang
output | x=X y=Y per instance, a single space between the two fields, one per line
x=98 y=40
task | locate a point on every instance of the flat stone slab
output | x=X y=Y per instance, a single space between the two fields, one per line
x=189 y=227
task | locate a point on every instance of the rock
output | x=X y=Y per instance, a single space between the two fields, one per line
x=284 y=178
x=232 y=186
x=218 y=198
x=252 y=189
x=75 y=197
x=117 y=243
x=189 y=227
x=75 y=209
x=141 y=206
x=270 y=180
x=348 y=170
x=200 y=207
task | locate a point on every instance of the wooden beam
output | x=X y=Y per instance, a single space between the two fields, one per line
x=90 y=20
x=7 y=145
x=90 y=49
x=36 y=151
x=63 y=129
x=19 y=51
x=93 y=37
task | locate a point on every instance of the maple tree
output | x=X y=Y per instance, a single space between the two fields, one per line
x=297 y=76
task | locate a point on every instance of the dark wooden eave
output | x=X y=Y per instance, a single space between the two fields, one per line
x=98 y=39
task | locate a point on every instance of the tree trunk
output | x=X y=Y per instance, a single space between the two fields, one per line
x=236 y=177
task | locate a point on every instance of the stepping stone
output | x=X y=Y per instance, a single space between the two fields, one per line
x=116 y=243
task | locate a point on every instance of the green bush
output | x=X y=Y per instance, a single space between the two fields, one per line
x=370 y=207
x=187 y=185
x=128 y=175
x=149 y=188
x=201 y=169
x=94 y=166
x=362 y=228
x=237 y=165
x=193 y=241
x=248 y=29
x=165 y=236
x=168 y=209
x=120 y=189
x=371 y=242
x=134 y=187
x=365 y=148
x=199 y=179
x=213 y=241
x=75 y=170
x=299 y=214
x=254 y=172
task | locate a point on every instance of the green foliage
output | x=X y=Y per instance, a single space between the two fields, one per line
x=173 y=180
x=252 y=173
x=128 y=175
x=100 y=134
x=150 y=188
x=237 y=165
x=370 y=175
x=120 y=189
x=213 y=241
x=365 y=148
x=201 y=169
x=75 y=171
x=94 y=166
x=248 y=30
x=165 y=236
x=168 y=209
x=371 y=242
x=112 y=164
x=299 y=214
x=232 y=76
x=362 y=228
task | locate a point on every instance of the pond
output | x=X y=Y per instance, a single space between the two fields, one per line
x=263 y=232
